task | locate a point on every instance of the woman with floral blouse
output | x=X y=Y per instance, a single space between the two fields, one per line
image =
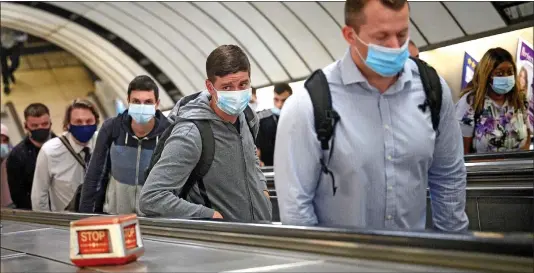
x=492 y=113
x=531 y=113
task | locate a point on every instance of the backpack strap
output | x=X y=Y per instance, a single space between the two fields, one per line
x=264 y=113
x=156 y=154
x=72 y=152
x=433 y=91
x=74 y=203
x=326 y=118
x=204 y=164
x=249 y=117
x=185 y=100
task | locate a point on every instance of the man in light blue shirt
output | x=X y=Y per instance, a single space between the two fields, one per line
x=385 y=152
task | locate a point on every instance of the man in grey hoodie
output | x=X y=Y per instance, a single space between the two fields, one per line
x=234 y=184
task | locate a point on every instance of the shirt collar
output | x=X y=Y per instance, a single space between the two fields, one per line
x=350 y=73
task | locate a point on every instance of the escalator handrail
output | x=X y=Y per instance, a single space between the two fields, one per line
x=15 y=116
x=515 y=244
x=505 y=156
x=500 y=155
x=99 y=105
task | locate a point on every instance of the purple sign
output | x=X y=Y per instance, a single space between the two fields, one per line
x=525 y=52
x=468 y=69
x=525 y=76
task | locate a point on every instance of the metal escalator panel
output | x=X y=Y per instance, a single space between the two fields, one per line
x=515 y=12
x=447 y=251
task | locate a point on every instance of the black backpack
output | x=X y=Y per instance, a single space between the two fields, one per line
x=326 y=117
x=208 y=150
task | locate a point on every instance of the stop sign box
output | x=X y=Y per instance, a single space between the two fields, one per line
x=105 y=240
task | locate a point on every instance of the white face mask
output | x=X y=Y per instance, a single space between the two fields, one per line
x=142 y=113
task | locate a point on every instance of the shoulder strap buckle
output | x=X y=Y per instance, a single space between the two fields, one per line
x=433 y=91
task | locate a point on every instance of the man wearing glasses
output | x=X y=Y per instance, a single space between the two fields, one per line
x=122 y=152
x=232 y=185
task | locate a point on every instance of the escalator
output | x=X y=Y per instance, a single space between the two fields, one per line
x=495 y=190
x=174 y=245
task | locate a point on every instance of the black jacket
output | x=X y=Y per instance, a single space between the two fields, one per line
x=20 y=167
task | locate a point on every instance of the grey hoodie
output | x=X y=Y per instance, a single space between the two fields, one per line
x=234 y=184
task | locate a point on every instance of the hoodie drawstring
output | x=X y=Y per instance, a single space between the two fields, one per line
x=126 y=139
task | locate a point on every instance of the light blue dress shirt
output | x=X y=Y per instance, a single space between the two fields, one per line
x=385 y=155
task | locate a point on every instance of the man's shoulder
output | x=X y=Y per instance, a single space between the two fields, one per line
x=416 y=74
x=110 y=122
x=53 y=146
x=184 y=128
x=264 y=114
x=22 y=146
x=18 y=153
x=333 y=72
x=417 y=81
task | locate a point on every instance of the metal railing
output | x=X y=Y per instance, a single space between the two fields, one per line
x=103 y=112
x=510 y=171
x=494 y=252
x=15 y=116
x=500 y=155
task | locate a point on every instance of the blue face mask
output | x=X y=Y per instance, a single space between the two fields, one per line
x=233 y=102
x=276 y=111
x=385 y=61
x=82 y=133
x=119 y=106
x=503 y=85
x=4 y=150
x=142 y=113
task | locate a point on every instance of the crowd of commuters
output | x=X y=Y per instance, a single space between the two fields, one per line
x=368 y=163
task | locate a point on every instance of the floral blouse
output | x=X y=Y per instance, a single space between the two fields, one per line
x=499 y=128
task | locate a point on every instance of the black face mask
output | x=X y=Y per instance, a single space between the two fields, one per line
x=40 y=135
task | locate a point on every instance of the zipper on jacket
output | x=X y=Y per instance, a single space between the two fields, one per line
x=139 y=148
x=245 y=173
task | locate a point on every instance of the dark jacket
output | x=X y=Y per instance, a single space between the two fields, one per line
x=20 y=169
x=267 y=136
x=116 y=170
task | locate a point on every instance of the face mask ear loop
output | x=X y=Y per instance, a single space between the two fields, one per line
x=216 y=93
x=358 y=51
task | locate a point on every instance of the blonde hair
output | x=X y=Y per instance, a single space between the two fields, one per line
x=482 y=76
